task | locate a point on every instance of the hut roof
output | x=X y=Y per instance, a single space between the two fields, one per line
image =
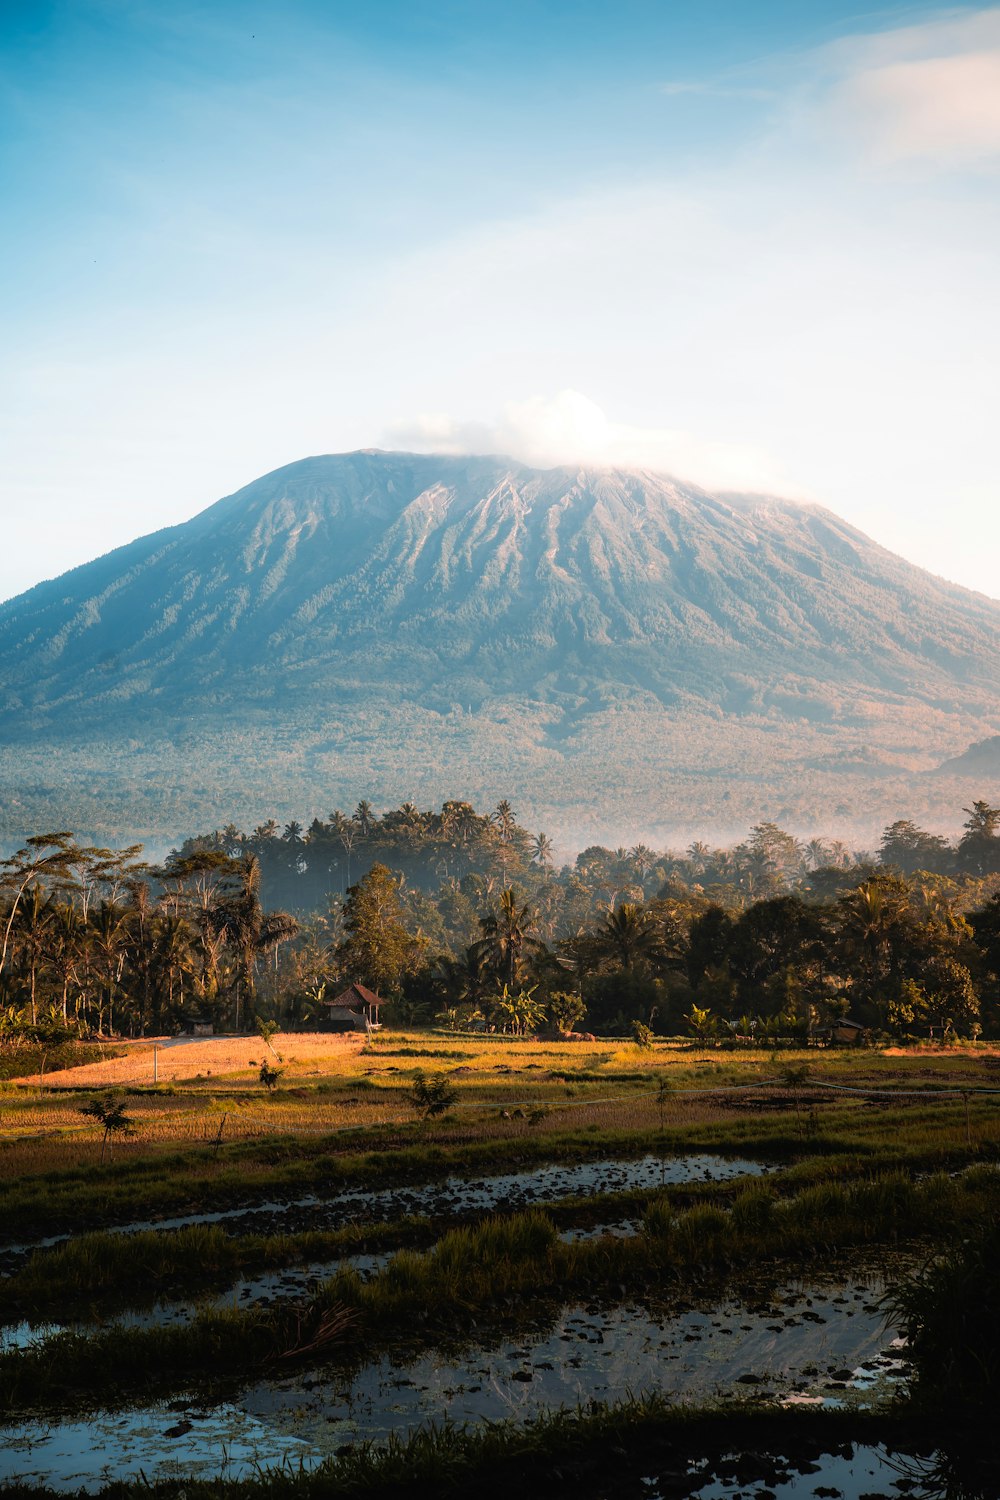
x=354 y=997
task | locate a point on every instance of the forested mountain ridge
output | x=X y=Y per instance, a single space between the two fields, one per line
x=375 y=622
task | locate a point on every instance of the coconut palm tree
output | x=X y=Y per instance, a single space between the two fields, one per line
x=467 y=978
x=108 y=928
x=541 y=850
x=818 y=853
x=34 y=920
x=508 y=938
x=364 y=816
x=249 y=930
x=873 y=930
x=65 y=940
x=629 y=935
x=171 y=960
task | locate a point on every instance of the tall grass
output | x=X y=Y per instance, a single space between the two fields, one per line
x=950 y=1314
x=115 y=1270
x=102 y=1270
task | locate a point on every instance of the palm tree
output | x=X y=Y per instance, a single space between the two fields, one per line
x=65 y=939
x=508 y=937
x=873 y=920
x=31 y=938
x=819 y=853
x=629 y=934
x=699 y=854
x=248 y=929
x=171 y=959
x=505 y=824
x=541 y=850
x=466 y=978
x=108 y=928
x=364 y=816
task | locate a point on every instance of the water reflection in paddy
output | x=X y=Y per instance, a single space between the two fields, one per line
x=827 y=1342
x=451 y=1196
x=855 y=1471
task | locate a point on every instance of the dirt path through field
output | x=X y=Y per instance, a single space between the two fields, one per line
x=188 y=1057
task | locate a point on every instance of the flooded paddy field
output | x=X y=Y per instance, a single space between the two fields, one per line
x=717 y=1294
x=454 y=1197
x=826 y=1343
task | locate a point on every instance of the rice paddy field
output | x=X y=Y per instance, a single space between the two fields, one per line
x=664 y=1271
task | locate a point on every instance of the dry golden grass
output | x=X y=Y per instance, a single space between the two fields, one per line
x=184 y=1058
x=327 y=1082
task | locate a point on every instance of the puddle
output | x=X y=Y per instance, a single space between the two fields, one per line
x=159 y=1442
x=627 y=1229
x=827 y=1342
x=452 y=1196
x=854 y=1472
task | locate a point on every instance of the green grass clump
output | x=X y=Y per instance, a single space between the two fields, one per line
x=950 y=1314
x=105 y=1270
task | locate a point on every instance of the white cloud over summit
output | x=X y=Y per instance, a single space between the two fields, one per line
x=569 y=428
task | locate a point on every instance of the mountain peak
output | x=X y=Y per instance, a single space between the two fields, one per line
x=372 y=590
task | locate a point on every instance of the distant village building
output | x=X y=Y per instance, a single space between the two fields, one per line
x=849 y=1033
x=200 y=1026
x=354 y=1009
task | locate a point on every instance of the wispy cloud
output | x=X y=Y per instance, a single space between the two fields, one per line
x=943 y=109
x=927 y=93
x=713 y=89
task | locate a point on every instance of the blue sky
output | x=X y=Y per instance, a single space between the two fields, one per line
x=750 y=243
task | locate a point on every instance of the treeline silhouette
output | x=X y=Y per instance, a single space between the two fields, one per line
x=301 y=866
x=458 y=917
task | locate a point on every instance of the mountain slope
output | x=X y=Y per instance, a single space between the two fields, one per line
x=468 y=577
x=360 y=598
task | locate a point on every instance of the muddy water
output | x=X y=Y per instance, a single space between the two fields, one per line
x=824 y=1343
x=505 y=1191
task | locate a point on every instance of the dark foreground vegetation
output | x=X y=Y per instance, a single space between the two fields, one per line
x=608 y=1450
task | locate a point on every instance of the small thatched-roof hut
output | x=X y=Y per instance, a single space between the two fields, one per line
x=354 y=1009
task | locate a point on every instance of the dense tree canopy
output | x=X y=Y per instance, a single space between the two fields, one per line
x=462 y=916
